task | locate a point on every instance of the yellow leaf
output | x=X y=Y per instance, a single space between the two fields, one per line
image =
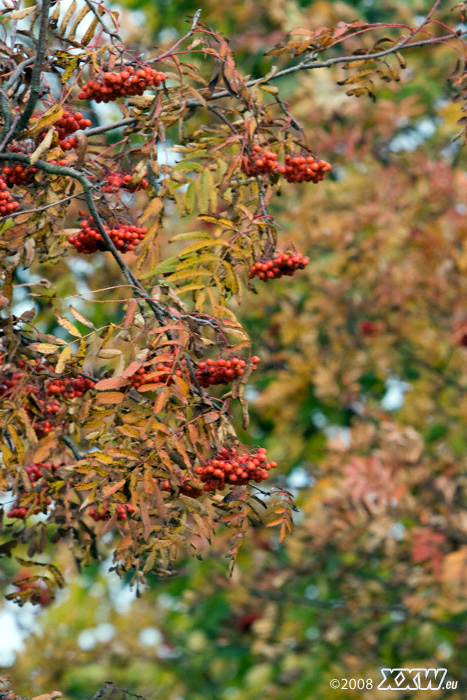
x=89 y=34
x=63 y=357
x=108 y=353
x=65 y=323
x=51 y=116
x=43 y=348
x=20 y=14
x=68 y=15
x=153 y=209
x=187 y=273
x=86 y=487
x=43 y=147
x=102 y=457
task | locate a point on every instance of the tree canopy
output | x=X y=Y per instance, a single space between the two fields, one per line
x=233 y=345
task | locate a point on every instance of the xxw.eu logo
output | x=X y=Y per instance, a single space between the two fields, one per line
x=414 y=679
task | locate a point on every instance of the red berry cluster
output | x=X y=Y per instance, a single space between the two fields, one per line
x=297 y=168
x=261 y=163
x=118 y=181
x=103 y=513
x=34 y=471
x=125 y=237
x=208 y=373
x=40 y=407
x=18 y=174
x=67 y=125
x=304 y=169
x=284 y=264
x=49 y=410
x=233 y=467
x=9 y=381
x=163 y=374
x=221 y=371
x=7 y=203
x=41 y=500
x=69 y=388
x=127 y=83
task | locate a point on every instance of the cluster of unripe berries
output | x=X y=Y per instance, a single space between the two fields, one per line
x=69 y=388
x=234 y=468
x=103 y=513
x=127 y=83
x=297 y=168
x=283 y=264
x=68 y=124
x=222 y=371
x=34 y=472
x=207 y=373
x=7 y=203
x=119 y=181
x=125 y=237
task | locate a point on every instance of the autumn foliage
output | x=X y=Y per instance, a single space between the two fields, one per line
x=143 y=240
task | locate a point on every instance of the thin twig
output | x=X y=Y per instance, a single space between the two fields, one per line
x=170 y=51
x=113 y=35
x=159 y=311
x=46 y=206
x=304 y=65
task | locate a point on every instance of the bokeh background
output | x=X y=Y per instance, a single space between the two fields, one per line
x=360 y=399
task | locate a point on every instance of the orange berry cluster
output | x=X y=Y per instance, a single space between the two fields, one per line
x=261 y=163
x=118 y=181
x=41 y=408
x=163 y=374
x=18 y=174
x=284 y=264
x=297 y=168
x=221 y=371
x=304 y=169
x=208 y=373
x=127 y=83
x=125 y=237
x=103 y=513
x=7 y=203
x=234 y=468
x=69 y=388
x=67 y=125
x=41 y=500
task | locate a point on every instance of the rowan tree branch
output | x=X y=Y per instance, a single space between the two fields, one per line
x=159 y=311
x=36 y=71
x=307 y=64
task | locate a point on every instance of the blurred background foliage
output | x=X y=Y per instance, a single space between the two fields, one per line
x=360 y=399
